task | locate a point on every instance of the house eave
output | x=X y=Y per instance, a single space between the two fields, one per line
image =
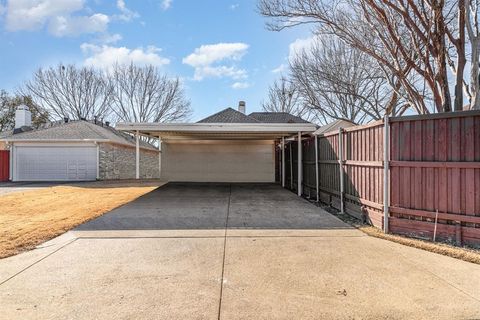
x=217 y=130
x=11 y=141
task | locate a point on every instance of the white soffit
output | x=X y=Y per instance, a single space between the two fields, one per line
x=217 y=130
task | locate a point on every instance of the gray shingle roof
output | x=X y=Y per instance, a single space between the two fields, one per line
x=75 y=130
x=228 y=115
x=276 y=117
x=4 y=134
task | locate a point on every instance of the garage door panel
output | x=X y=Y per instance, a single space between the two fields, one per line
x=247 y=161
x=55 y=163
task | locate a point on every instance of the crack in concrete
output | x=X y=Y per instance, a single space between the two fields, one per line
x=224 y=253
x=38 y=261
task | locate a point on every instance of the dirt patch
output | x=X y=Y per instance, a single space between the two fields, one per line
x=32 y=217
x=462 y=253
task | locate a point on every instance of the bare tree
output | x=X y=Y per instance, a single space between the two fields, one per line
x=142 y=94
x=69 y=91
x=340 y=82
x=403 y=36
x=284 y=96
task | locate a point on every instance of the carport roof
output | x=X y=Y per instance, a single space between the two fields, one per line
x=217 y=130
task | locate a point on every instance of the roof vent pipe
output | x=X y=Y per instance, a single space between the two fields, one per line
x=23 y=117
x=241 y=107
x=65 y=119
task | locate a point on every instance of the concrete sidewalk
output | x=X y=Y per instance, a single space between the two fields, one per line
x=214 y=251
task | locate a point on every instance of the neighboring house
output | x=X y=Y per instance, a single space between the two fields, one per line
x=228 y=146
x=333 y=126
x=75 y=150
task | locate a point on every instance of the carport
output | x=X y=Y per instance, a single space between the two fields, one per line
x=219 y=152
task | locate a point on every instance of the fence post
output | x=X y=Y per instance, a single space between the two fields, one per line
x=316 y=168
x=283 y=162
x=340 y=162
x=299 y=165
x=386 y=180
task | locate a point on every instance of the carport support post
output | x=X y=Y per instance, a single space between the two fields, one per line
x=316 y=168
x=340 y=162
x=159 y=157
x=283 y=162
x=137 y=155
x=299 y=165
x=291 y=166
x=386 y=160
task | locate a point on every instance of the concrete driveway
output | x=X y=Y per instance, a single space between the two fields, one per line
x=193 y=251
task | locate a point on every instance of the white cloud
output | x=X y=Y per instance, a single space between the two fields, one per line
x=234 y=6
x=126 y=14
x=73 y=26
x=106 y=56
x=240 y=85
x=300 y=45
x=219 y=72
x=57 y=14
x=107 y=38
x=166 y=4
x=211 y=53
x=207 y=60
x=281 y=68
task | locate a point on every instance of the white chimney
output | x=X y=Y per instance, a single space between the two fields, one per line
x=241 y=107
x=23 y=117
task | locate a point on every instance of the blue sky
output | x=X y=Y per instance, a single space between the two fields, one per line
x=221 y=49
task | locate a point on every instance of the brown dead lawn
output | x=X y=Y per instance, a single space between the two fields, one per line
x=32 y=217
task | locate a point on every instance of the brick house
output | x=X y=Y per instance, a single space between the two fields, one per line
x=76 y=151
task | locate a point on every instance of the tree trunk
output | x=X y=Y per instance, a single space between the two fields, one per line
x=460 y=46
x=441 y=76
x=474 y=74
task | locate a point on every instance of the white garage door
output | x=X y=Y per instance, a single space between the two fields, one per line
x=219 y=161
x=48 y=163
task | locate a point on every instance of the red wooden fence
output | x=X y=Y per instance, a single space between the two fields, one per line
x=4 y=165
x=434 y=165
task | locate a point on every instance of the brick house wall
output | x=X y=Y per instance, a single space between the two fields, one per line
x=118 y=162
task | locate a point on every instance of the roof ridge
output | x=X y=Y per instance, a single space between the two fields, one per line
x=48 y=125
x=94 y=126
x=228 y=109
